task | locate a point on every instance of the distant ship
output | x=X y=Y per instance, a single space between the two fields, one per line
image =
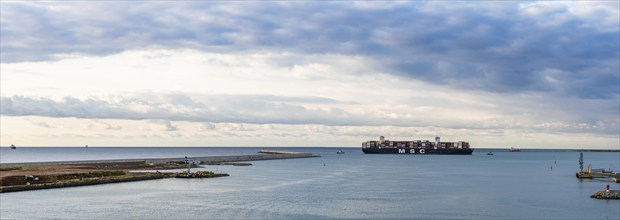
x=13 y=147
x=512 y=149
x=416 y=147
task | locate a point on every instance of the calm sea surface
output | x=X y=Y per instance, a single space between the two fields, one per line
x=506 y=185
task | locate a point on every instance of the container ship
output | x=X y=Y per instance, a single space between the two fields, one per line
x=416 y=147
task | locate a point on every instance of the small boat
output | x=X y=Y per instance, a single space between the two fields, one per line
x=13 y=147
x=340 y=152
x=86 y=145
x=490 y=153
x=512 y=149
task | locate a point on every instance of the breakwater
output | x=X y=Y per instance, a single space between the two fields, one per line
x=612 y=194
x=84 y=182
x=45 y=175
x=264 y=155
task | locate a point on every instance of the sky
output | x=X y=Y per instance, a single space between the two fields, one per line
x=310 y=73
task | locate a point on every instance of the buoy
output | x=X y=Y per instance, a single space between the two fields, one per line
x=607 y=188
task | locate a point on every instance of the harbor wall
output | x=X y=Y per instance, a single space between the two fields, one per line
x=203 y=159
x=84 y=182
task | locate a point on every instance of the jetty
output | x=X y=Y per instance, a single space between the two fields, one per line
x=56 y=174
x=263 y=155
x=590 y=173
x=231 y=163
x=199 y=174
x=607 y=194
x=598 y=173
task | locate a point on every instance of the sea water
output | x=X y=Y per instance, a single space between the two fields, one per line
x=518 y=185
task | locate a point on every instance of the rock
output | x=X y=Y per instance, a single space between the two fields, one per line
x=612 y=194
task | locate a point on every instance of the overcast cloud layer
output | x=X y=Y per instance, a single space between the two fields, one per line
x=504 y=47
x=551 y=67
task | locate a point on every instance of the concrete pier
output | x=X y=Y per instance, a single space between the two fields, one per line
x=266 y=155
x=45 y=175
x=279 y=152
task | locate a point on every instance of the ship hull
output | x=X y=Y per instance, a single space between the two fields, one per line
x=455 y=151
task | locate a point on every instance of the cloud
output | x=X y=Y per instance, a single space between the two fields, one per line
x=99 y=124
x=251 y=113
x=207 y=126
x=168 y=107
x=163 y=125
x=498 y=47
x=333 y=69
x=42 y=124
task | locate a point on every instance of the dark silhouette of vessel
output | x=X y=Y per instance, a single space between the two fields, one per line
x=416 y=147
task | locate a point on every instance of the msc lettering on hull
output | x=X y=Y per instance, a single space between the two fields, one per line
x=411 y=151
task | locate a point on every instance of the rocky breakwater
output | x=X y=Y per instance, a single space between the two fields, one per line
x=54 y=175
x=200 y=174
x=45 y=175
x=612 y=194
x=31 y=182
